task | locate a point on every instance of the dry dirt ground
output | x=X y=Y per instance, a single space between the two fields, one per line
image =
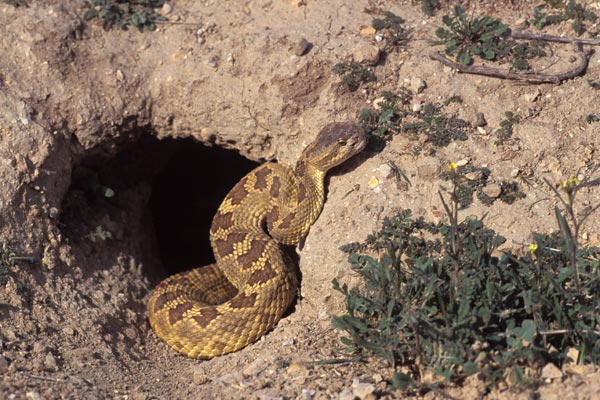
x=148 y=116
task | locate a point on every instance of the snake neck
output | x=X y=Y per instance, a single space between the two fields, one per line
x=311 y=180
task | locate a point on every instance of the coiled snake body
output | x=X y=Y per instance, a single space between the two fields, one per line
x=222 y=307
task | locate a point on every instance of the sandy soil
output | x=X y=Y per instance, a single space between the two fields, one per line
x=148 y=116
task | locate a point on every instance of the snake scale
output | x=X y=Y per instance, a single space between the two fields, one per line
x=222 y=307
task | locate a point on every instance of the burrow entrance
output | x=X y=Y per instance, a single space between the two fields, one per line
x=154 y=198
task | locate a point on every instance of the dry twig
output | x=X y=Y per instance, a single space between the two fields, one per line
x=529 y=76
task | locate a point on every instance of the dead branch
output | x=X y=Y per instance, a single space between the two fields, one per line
x=528 y=76
x=510 y=73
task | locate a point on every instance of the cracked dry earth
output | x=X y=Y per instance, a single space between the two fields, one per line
x=168 y=121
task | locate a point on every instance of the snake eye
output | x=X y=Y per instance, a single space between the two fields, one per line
x=342 y=142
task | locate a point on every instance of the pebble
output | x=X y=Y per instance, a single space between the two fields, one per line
x=3 y=364
x=369 y=31
x=373 y=182
x=362 y=389
x=296 y=368
x=166 y=9
x=551 y=371
x=386 y=171
x=417 y=105
x=302 y=47
x=50 y=362
x=346 y=394
x=572 y=355
x=417 y=85
x=479 y=120
x=308 y=394
x=33 y=396
x=463 y=162
x=531 y=97
x=492 y=190
x=515 y=172
x=255 y=368
x=377 y=102
x=366 y=53
x=474 y=176
x=198 y=375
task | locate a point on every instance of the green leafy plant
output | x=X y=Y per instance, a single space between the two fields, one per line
x=429 y=6
x=439 y=129
x=563 y=11
x=467 y=37
x=394 y=33
x=591 y=118
x=17 y=3
x=392 y=116
x=354 y=74
x=442 y=297
x=383 y=120
x=506 y=128
x=9 y=257
x=122 y=13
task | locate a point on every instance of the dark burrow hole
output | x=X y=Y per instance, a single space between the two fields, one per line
x=158 y=195
x=186 y=195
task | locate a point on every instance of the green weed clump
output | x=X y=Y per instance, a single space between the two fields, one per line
x=140 y=14
x=17 y=3
x=467 y=37
x=394 y=33
x=442 y=297
x=354 y=75
x=561 y=11
x=392 y=116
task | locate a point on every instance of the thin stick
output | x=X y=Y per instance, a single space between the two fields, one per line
x=529 y=76
x=44 y=378
x=552 y=38
x=535 y=77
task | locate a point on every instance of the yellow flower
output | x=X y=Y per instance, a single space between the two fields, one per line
x=533 y=247
x=452 y=166
x=569 y=183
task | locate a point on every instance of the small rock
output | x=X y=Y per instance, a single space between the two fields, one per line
x=296 y=369
x=417 y=105
x=386 y=170
x=362 y=389
x=302 y=47
x=576 y=369
x=551 y=371
x=33 y=396
x=307 y=394
x=377 y=102
x=479 y=120
x=369 y=31
x=572 y=355
x=515 y=172
x=367 y=54
x=3 y=364
x=198 y=375
x=373 y=182
x=377 y=378
x=346 y=394
x=474 y=176
x=255 y=368
x=50 y=362
x=492 y=190
x=531 y=97
x=417 y=85
x=166 y=9
x=463 y=162
x=119 y=75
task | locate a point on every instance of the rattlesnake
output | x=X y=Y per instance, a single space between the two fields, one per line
x=222 y=307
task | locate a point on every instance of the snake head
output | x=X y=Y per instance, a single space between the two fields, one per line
x=334 y=144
